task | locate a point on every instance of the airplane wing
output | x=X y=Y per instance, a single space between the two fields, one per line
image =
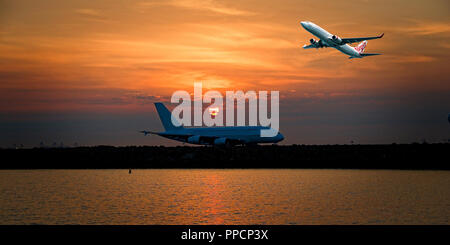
x=316 y=44
x=359 y=39
x=309 y=46
x=211 y=139
x=205 y=139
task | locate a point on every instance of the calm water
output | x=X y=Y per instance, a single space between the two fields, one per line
x=224 y=197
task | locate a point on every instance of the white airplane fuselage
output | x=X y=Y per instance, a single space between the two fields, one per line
x=327 y=38
x=205 y=136
x=213 y=135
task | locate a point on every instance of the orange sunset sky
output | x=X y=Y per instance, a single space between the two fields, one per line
x=89 y=71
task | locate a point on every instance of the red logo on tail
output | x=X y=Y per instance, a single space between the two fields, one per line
x=360 y=48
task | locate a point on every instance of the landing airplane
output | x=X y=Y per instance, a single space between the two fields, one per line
x=333 y=41
x=211 y=135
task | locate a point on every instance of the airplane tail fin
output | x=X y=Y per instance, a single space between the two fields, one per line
x=360 y=48
x=166 y=117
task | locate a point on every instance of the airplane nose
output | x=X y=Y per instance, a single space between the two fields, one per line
x=304 y=23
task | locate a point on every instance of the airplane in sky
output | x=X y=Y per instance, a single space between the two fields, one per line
x=238 y=135
x=342 y=44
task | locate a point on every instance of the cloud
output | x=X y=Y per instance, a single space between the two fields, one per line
x=423 y=28
x=88 y=99
x=91 y=15
x=88 y=12
x=413 y=59
x=202 y=5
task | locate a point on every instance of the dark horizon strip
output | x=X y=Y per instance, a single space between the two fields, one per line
x=395 y=156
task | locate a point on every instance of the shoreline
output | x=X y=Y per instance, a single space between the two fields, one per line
x=374 y=157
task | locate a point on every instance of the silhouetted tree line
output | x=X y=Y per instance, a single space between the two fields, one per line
x=395 y=156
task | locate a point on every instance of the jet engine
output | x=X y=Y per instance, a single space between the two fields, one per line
x=336 y=39
x=194 y=139
x=317 y=44
x=220 y=141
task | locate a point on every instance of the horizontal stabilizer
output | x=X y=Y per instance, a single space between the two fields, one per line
x=145 y=132
x=363 y=55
